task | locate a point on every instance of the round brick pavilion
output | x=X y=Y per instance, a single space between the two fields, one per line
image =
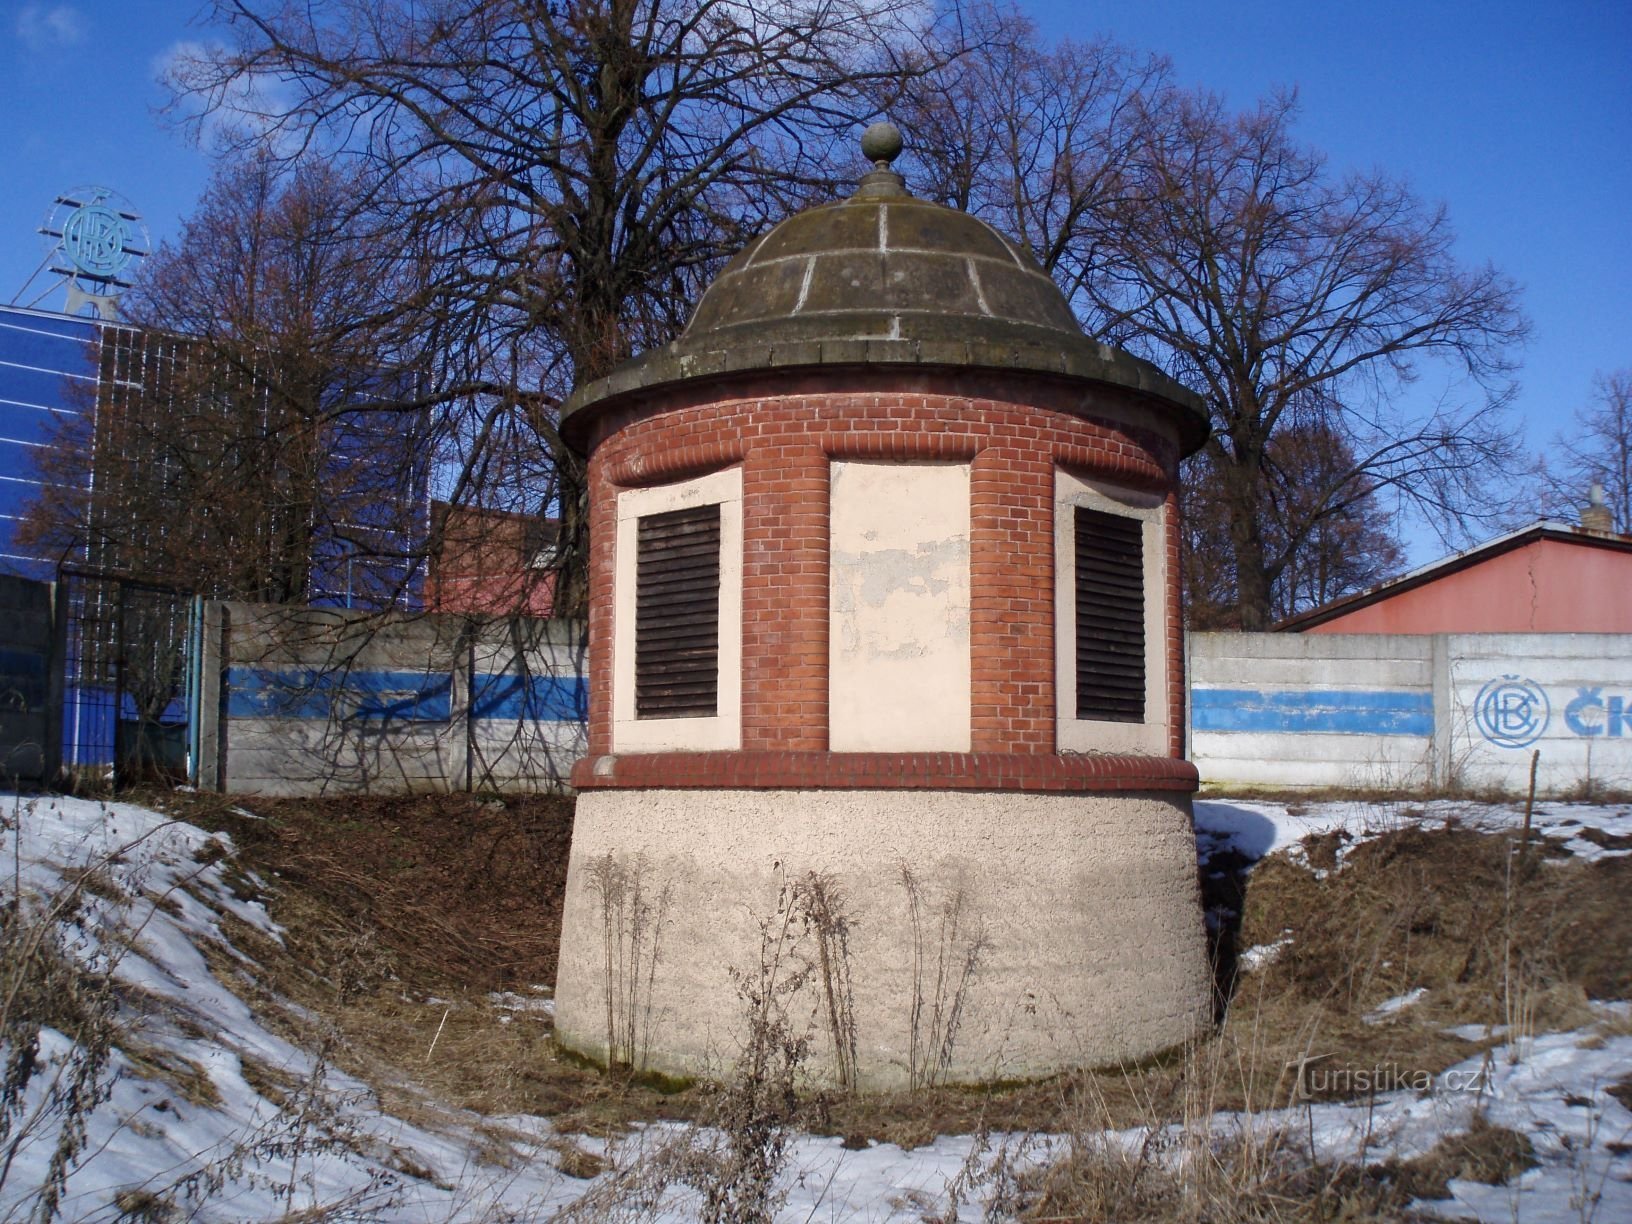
x=886 y=669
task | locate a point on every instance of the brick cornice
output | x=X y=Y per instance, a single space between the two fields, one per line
x=787 y=770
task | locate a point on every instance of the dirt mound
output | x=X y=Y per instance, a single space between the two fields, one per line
x=1450 y=910
x=460 y=889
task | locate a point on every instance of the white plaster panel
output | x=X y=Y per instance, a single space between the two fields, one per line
x=724 y=730
x=1094 y=735
x=898 y=654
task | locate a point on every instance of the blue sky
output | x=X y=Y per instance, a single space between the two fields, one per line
x=1519 y=121
x=1515 y=115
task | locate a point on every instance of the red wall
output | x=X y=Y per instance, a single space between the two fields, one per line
x=1546 y=586
x=482 y=566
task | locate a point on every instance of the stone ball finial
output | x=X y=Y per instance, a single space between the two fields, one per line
x=881 y=144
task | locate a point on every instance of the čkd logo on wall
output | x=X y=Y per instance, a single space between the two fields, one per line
x=1513 y=712
x=1592 y=714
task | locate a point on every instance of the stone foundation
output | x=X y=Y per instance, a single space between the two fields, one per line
x=1046 y=931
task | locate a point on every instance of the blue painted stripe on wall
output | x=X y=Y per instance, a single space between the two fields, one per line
x=504 y=695
x=261 y=692
x=1343 y=711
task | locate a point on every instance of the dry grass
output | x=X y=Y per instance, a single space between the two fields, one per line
x=396 y=982
x=1464 y=915
x=1200 y=1169
x=190 y=1080
x=1440 y=909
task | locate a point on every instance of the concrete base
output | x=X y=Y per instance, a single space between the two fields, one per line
x=944 y=936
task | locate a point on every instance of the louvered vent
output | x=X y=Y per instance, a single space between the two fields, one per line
x=1110 y=617
x=677 y=614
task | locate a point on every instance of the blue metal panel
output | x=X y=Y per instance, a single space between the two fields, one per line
x=27 y=389
x=41 y=425
x=505 y=695
x=87 y=726
x=53 y=341
x=1340 y=711
x=378 y=470
x=19 y=462
x=174 y=713
x=47 y=369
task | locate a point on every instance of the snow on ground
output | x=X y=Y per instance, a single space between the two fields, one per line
x=238 y=1156
x=242 y=1157
x=1253 y=829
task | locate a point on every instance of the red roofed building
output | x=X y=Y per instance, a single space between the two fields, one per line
x=1546 y=578
x=490 y=562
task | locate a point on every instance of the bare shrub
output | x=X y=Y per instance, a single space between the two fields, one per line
x=631 y=929
x=734 y=1154
x=941 y=976
x=754 y=1112
x=823 y=908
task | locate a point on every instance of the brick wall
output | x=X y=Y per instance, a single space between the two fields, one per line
x=786 y=430
x=485 y=562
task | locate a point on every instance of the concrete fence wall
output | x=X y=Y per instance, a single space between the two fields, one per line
x=322 y=702
x=1384 y=711
x=29 y=698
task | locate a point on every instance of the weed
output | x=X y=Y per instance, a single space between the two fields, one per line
x=58 y=1020
x=940 y=978
x=631 y=927
x=754 y=1112
x=821 y=903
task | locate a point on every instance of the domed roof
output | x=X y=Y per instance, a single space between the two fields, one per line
x=884 y=277
x=881 y=265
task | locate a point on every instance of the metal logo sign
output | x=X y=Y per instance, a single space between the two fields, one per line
x=1511 y=712
x=95 y=237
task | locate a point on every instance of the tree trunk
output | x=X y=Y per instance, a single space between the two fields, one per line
x=1241 y=500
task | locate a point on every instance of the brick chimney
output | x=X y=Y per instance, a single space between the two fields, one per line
x=1595 y=515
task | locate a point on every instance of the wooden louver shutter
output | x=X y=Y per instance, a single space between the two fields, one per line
x=677 y=614
x=1110 y=594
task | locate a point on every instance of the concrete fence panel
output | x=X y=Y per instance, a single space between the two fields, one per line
x=1386 y=711
x=1281 y=709
x=530 y=704
x=316 y=701
x=1566 y=696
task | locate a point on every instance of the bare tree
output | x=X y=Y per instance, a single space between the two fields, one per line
x=1290 y=297
x=248 y=437
x=1311 y=494
x=1597 y=450
x=570 y=174
x=1318 y=494
x=1035 y=139
x=1212 y=243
